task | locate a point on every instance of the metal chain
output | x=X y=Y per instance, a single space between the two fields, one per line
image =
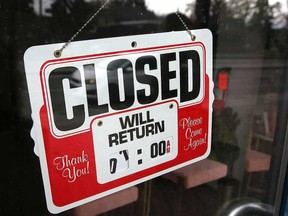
x=193 y=37
x=58 y=53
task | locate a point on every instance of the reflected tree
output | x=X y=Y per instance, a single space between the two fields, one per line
x=17 y=6
x=202 y=12
x=127 y=17
x=132 y=10
x=261 y=21
x=131 y=3
x=199 y=13
x=252 y=18
x=68 y=16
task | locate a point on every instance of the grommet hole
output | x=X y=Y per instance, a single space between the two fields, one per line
x=57 y=53
x=134 y=44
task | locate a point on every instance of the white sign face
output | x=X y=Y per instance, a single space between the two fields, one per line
x=111 y=83
x=108 y=115
x=135 y=140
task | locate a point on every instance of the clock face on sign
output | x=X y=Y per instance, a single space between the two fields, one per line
x=135 y=140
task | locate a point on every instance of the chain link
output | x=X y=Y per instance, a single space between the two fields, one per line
x=58 y=53
x=193 y=37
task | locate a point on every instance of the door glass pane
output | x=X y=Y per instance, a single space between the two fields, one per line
x=248 y=161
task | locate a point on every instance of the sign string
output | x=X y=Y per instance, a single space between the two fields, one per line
x=58 y=53
x=193 y=37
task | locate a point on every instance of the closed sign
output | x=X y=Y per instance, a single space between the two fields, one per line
x=108 y=115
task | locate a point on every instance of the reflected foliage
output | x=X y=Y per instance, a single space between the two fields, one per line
x=241 y=27
x=68 y=16
x=17 y=6
x=225 y=123
x=246 y=26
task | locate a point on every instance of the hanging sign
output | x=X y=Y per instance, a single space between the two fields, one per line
x=112 y=113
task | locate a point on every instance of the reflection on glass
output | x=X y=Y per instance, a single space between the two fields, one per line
x=250 y=38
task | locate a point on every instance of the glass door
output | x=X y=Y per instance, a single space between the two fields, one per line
x=246 y=170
